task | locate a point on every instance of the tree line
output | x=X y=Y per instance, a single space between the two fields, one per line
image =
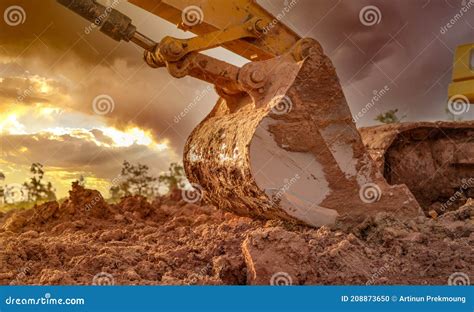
x=134 y=179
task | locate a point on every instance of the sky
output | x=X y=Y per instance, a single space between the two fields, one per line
x=81 y=103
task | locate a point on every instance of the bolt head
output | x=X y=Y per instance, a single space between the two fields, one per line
x=175 y=48
x=259 y=26
x=257 y=76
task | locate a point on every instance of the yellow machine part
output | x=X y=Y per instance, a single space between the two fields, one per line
x=218 y=15
x=463 y=73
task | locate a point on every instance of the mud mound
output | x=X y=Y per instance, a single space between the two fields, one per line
x=433 y=159
x=85 y=240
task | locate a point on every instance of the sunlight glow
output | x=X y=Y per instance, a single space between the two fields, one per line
x=11 y=125
x=132 y=136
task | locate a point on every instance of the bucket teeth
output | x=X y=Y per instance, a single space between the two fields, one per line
x=291 y=150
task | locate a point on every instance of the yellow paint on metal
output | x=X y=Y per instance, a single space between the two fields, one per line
x=463 y=73
x=218 y=15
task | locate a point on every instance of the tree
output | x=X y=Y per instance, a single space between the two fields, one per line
x=389 y=117
x=175 y=178
x=115 y=193
x=37 y=189
x=135 y=180
x=81 y=181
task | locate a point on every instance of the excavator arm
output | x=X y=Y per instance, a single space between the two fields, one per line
x=280 y=142
x=216 y=16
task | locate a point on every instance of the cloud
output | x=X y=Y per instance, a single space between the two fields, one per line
x=406 y=51
x=79 y=67
x=80 y=150
x=51 y=70
x=90 y=153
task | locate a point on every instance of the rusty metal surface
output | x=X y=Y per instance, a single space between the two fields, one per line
x=111 y=22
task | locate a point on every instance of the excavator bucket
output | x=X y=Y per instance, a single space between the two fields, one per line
x=280 y=142
x=290 y=149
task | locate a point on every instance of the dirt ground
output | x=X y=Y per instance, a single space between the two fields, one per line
x=86 y=241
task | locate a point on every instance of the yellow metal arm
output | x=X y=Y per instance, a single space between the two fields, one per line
x=219 y=15
x=173 y=49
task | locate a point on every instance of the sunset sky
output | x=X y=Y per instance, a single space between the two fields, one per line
x=53 y=69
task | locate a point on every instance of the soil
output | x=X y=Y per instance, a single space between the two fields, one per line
x=434 y=160
x=85 y=241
